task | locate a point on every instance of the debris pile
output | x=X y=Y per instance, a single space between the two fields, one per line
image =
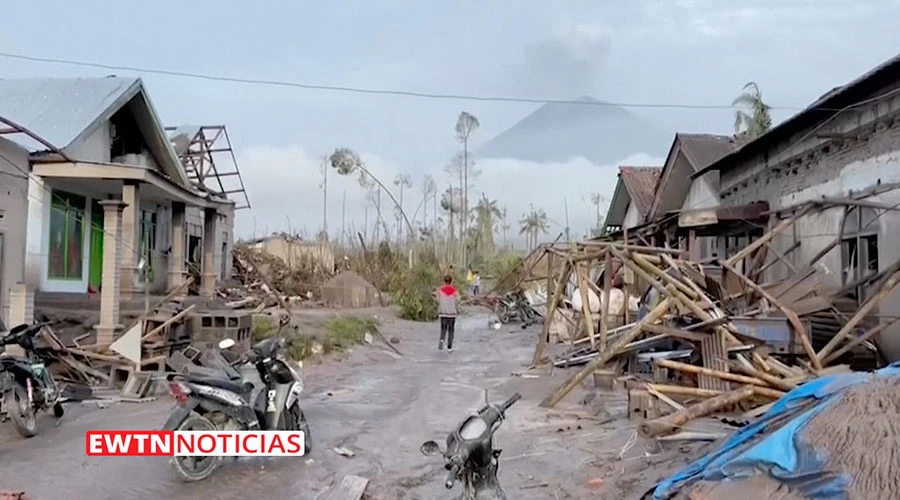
x=710 y=333
x=95 y=365
x=349 y=289
x=861 y=433
x=290 y=283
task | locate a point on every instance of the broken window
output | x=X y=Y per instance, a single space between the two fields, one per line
x=859 y=248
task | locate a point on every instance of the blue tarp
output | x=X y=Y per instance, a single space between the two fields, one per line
x=780 y=453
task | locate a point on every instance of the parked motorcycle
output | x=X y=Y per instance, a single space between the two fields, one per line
x=27 y=385
x=515 y=306
x=258 y=390
x=470 y=455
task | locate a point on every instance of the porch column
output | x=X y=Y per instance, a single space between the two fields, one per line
x=110 y=287
x=176 y=257
x=130 y=230
x=208 y=277
x=21 y=311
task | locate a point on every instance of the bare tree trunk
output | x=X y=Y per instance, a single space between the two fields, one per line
x=465 y=204
x=344 y=219
x=325 y=199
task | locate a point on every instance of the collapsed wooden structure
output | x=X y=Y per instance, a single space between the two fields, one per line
x=734 y=338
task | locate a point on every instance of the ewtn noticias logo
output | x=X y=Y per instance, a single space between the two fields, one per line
x=195 y=443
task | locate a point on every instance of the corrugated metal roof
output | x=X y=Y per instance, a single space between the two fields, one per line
x=59 y=110
x=705 y=149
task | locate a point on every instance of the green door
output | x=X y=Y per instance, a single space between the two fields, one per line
x=95 y=278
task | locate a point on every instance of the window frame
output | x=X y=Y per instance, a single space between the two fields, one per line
x=73 y=208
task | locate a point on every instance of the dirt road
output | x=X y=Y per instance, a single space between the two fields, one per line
x=380 y=407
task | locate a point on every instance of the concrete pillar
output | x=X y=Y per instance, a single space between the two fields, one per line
x=131 y=238
x=208 y=276
x=177 y=255
x=113 y=246
x=21 y=311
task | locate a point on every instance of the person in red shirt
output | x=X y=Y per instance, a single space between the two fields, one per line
x=448 y=308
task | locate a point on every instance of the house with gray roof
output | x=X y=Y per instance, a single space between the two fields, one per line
x=99 y=199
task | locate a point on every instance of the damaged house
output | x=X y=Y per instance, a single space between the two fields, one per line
x=632 y=198
x=98 y=199
x=843 y=149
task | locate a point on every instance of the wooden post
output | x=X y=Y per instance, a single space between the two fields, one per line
x=573 y=381
x=537 y=359
x=585 y=298
x=550 y=289
x=604 y=312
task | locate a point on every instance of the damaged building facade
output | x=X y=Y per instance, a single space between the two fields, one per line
x=844 y=147
x=101 y=198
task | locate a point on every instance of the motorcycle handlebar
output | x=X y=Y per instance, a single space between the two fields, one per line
x=509 y=402
x=451 y=476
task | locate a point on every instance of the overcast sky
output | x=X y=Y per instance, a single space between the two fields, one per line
x=637 y=51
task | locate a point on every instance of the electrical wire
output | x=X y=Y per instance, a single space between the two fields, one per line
x=373 y=91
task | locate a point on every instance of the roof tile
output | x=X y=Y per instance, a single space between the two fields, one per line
x=641 y=185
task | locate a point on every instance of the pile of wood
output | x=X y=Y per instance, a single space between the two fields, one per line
x=695 y=335
x=259 y=281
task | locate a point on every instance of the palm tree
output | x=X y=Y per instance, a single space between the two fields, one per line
x=758 y=121
x=532 y=224
x=487 y=213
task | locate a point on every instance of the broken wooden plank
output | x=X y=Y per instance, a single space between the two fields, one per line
x=675 y=421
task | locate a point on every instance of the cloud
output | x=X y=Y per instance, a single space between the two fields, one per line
x=284 y=185
x=569 y=62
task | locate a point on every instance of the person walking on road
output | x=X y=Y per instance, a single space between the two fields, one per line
x=476 y=284
x=448 y=309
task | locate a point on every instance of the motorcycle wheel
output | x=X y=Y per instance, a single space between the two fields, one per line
x=20 y=412
x=529 y=314
x=192 y=469
x=503 y=313
x=298 y=419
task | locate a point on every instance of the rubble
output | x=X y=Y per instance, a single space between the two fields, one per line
x=708 y=338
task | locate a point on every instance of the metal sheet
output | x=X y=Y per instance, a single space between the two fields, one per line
x=775 y=332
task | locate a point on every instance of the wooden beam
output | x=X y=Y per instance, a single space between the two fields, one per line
x=538 y=358
x=796 y=325
x=576 y=379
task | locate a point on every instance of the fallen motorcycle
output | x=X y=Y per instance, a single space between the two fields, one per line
x=514 y=306
x=470 y=455
x=258 y=390
x=27 y=385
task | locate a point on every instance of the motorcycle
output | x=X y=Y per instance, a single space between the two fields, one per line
x=470 y=455
x=257 y=390
x=27 y=385
x=514 y=306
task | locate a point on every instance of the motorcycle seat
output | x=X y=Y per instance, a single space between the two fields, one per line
x=228 y=385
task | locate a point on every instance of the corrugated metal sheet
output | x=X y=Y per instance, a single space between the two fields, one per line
x=182 y=136
x=60 y=109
